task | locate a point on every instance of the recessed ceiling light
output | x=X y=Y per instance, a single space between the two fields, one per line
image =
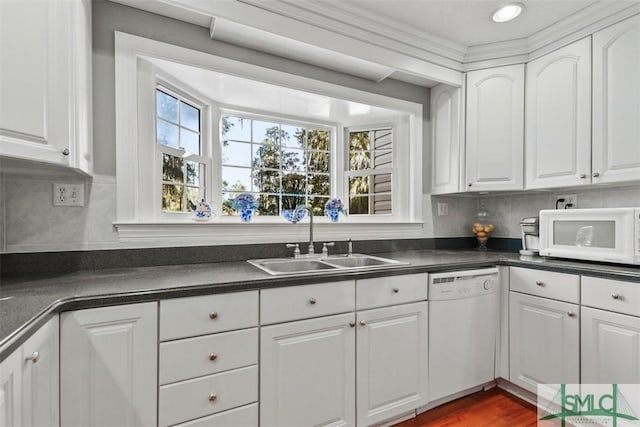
x=507 y=12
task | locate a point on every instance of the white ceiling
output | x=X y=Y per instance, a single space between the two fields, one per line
x=467 y=22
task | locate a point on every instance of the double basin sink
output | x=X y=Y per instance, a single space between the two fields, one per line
x=352 y=262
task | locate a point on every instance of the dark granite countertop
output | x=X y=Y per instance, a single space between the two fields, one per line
x=27 y=303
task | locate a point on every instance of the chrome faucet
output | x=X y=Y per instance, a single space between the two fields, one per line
x=295 y=221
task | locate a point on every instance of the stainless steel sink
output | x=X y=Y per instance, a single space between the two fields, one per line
x=353 y=262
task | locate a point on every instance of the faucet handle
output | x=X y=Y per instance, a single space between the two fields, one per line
x=296 y=251
x=349 y=246
x=325 y=247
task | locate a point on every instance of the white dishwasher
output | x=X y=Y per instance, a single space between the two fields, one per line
x=463 y=320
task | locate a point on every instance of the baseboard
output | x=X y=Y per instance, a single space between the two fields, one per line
x=518 y=391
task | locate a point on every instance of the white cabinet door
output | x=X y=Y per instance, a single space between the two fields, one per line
x=307 y=373
x=40 y=377
x=392 y=362
x=109 y=366
x=446 y=134
x=45 y=85
x=610 y=347
x=616 y=102
x=11 y=390
x=544 y=341
x=495 y=129
x=558 y=119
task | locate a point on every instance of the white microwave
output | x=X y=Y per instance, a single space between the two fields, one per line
x=605 y=235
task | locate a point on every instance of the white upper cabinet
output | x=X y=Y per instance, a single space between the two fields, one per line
x=45 y=83
x=495 y=129
x=446 y=133
x=558 y=137
x=616 y=102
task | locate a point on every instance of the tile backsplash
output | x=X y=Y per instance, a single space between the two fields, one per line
x=30 y=223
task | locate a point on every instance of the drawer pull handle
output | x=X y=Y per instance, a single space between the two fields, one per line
x=213 y=397
x=213 y=357
x=213 y=315
x=363 y=323
x=616 y=296
x=539 y=283
x=396 y=290
x=312 y=301
x=352 y=324
x=571 y=314
x=34 y=357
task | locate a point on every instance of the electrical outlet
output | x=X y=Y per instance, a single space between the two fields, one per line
x=570 y=201
x=68 y=194
x=443 y=209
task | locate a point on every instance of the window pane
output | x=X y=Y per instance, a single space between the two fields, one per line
x=227 y=203
x=167 y=106
x=359 y=185
x=382 y=183
x=293 y=160
x=318 y=139
x=358 y=205
x=318 y=161
x=382 y=159
x=267 y=156
x=236 y=128
x=293 y=183
x=382 y=204
x=318 y=184
x=266 y=181
x=194 y=194
x=172 y=168
x=189 y=117
x=172 y=197
x=293 y=136
x=167 y=133
x=265 y=131
x=359 y=141
x=194 y=170
x=359 y=160
x=190 y=141
x=290 y=201
x=317 y=204
x=237 y=154
x=236 y=179
x=268 y=204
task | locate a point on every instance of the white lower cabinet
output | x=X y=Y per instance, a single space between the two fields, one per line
x=108 y=366
x=29 y=381
x=544 y=341
x=391 y=361
x=307 y=375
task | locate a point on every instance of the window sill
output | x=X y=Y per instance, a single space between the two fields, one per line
x=264 y=230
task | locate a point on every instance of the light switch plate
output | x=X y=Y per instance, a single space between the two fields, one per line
x=68 y=194
x=443 y=209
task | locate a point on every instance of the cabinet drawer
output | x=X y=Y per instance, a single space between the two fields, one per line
x=188 y=317
x=239 y=417
x=381 y=291
x=613 y=295
x=302 y=302
x=195 y=357
x=196 y=398
x=547 y=284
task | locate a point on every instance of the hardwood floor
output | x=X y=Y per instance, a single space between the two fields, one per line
x=492 y=408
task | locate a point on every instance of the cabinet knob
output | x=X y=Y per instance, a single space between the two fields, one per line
x=352 y=324
x=616 y=296
x=65 y=152
x=363 y=323
x=33 y=358
x=312 y=301
x=213 y=315
x=583 y=175
x=213 y=397
x=539 y=283
x=571 y=314
x=596 y=174
x=396 y=290
x=469 y=184
x=213 y=357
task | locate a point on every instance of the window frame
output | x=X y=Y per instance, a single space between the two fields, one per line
x=135 y=220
